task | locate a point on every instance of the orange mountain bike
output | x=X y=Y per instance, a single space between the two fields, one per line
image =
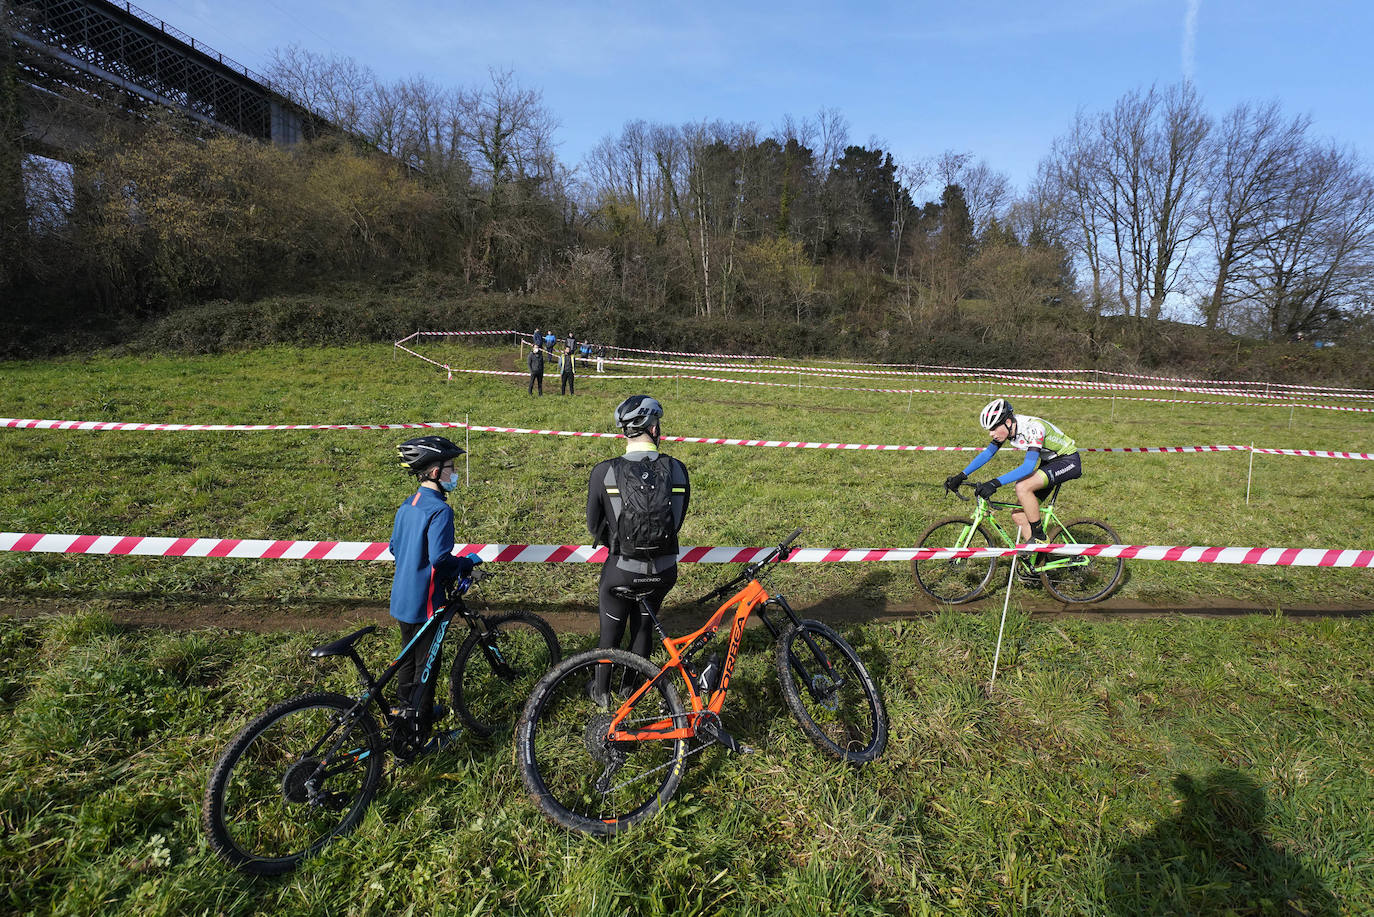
x=599 y=767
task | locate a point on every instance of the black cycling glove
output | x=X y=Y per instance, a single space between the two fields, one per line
x=986 y=489
x=953 y=481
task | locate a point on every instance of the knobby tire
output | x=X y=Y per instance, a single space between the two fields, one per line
x=954 y=580
x=576 y=776
x=488 y=692
x=831 y=693
x=1091 y=581
x=295 y=778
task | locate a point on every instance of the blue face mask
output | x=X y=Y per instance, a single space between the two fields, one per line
x=450 y=484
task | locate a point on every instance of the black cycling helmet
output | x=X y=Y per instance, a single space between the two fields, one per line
x=637 y=414
x=994 y=412
x=420 y=453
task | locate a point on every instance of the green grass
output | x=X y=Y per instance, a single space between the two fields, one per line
x=343 y=485
x=1162 y=766
x=1157 y=765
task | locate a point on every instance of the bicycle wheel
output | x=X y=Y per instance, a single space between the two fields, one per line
x=957 y=579
x=829 y=691
x=1085 y=579
x=576 y=775
x=492 y=678
x=296 y=777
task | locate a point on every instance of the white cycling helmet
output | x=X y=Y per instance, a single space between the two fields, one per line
x=994 y=412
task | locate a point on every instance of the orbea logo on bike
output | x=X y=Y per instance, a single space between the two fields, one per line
x=437 y=645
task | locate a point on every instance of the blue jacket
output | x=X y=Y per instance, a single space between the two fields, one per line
x=422 y=543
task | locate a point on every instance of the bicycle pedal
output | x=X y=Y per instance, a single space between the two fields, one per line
x=731 y=744
x=441 y=741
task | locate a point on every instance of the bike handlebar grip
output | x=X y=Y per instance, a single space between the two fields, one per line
x=790 y=538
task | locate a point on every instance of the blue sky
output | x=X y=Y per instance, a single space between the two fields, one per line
x=998 y=79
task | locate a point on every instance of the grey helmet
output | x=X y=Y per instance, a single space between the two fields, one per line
x=637 y=414
x=420 y=453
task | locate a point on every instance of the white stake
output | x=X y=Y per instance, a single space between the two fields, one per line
x=1249 y=474
x=997 y=656
x=467 y=446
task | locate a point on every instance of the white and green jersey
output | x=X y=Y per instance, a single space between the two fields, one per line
x=1036 y=433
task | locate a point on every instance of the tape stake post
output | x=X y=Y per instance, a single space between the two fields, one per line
x=1249 y=474
x=997 y=656
x=467 y=451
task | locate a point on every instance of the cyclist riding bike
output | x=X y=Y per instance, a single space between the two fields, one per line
x=1051 y=458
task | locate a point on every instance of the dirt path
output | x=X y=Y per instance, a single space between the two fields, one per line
x=333 y=616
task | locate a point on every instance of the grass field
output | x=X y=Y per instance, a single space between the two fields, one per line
x=531 y=489
x=1158 y=765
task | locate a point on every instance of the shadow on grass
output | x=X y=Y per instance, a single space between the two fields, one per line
x=1214 y=858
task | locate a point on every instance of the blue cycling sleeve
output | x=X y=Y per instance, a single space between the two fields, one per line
x=1023 y=470
x=981 y=458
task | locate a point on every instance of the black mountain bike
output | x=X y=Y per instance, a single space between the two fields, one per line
x=304 y=772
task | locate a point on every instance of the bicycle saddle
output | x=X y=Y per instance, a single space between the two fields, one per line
x=634 y=595
x=341 y=646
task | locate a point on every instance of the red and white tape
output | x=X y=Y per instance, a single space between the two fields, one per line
x=133 y=545
x=107 y=426
x=982 y=378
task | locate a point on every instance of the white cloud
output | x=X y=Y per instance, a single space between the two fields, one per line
x=1190 y=38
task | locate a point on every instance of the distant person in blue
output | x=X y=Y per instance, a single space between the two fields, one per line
x=549 y=340
x=537 y=339
x=422 y=543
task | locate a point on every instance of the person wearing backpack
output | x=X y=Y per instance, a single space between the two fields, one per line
x=635 y=506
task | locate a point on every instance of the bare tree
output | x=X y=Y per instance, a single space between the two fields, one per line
x=1130 y=182
x=1176 y=171
x=1318 y=263
x=1258 y=153
x=336 y=87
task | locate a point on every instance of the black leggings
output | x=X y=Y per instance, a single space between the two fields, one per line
x=537 y=379
x=567 y=384
x=408 y=689
x=616 y=612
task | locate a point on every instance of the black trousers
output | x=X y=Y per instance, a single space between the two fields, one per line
x=617 y=612
x=537 y=379
x=409 y=691
x=567 y=387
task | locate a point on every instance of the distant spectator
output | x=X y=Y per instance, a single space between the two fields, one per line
x=549 y=340
x=572 y=342
x=536 y=361
x=537 y=339
x=601 y=358
x=567 y=367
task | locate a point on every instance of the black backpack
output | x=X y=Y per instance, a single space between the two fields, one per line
x=645 y=527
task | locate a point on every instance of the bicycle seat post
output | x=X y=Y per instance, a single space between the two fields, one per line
x=653 y=618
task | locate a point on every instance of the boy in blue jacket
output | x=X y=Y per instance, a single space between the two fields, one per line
x=422 y=543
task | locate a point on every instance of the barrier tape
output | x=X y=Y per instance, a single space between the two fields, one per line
x=108 y=426
x=133 y=545
x=1330 y=391
x=980 y=378
x=974 y=370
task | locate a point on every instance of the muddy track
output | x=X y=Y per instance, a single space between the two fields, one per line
x=330 y=616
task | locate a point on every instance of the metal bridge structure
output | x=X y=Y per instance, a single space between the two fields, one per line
x=73 y=57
